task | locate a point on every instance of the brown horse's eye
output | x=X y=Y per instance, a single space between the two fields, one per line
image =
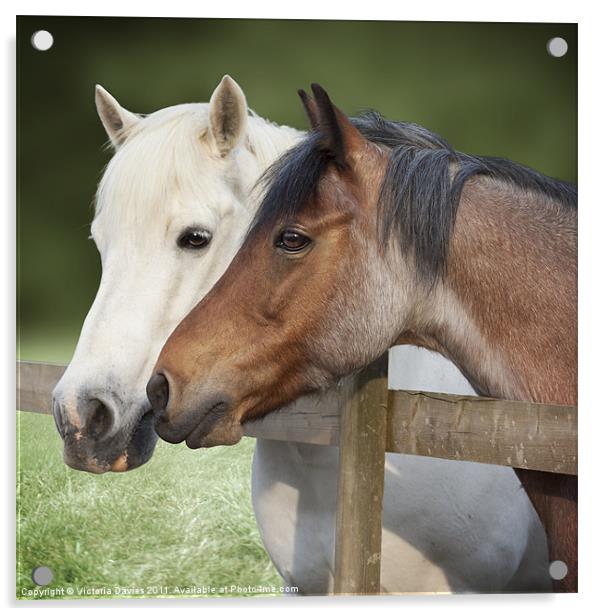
x=292 y=241
x=194 y=239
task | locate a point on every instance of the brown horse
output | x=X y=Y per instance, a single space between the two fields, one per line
x=370 y=234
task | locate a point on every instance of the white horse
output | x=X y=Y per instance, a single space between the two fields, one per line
x=172 y=208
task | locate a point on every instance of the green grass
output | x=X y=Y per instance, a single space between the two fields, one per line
x=185 y=518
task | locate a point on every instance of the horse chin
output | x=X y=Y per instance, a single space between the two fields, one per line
x=81 y=462
x=226 y=431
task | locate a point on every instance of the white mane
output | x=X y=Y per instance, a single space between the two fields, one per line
x=169 y=153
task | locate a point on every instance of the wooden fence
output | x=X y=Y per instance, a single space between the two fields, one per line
x=366 y=419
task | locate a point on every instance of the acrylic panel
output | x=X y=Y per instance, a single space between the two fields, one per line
x=143 y=469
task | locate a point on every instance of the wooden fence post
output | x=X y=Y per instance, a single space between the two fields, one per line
x=361 y=482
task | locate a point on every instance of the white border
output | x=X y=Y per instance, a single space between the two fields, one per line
x=590 y=159
x=459 y=10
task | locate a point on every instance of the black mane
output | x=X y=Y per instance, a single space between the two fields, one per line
x=419 y=197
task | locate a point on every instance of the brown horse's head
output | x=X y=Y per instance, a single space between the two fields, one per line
x=289 y=315
x=316 y=292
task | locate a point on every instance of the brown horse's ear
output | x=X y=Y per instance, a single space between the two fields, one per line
x=341 y=139
x=311 y=109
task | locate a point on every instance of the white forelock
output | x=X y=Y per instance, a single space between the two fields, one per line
x=168 y=159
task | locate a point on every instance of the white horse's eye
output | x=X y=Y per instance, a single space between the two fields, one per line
x=194 y=239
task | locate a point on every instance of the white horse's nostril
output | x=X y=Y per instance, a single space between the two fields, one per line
x=88 y=417
x=98 y=420
x=58 y=418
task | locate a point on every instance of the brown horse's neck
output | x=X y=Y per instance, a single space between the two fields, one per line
x=505 y=313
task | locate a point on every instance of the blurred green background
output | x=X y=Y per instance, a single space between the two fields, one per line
x=487 y=88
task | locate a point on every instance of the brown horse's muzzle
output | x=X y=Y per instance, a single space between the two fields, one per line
x=210 y=422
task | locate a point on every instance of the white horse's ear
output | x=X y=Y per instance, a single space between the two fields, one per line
x=227 y=115
x=117 y=121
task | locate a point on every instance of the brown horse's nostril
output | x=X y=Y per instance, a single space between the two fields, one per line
x=157 y=391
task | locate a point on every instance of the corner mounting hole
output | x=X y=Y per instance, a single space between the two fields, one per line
x=557 y=47
x=42 y=40
x=42 y=576
x=558 y=570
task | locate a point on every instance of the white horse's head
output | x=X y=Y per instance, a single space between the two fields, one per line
x=171 y=211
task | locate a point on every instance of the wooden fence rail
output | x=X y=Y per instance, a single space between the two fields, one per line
x=366 y=419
